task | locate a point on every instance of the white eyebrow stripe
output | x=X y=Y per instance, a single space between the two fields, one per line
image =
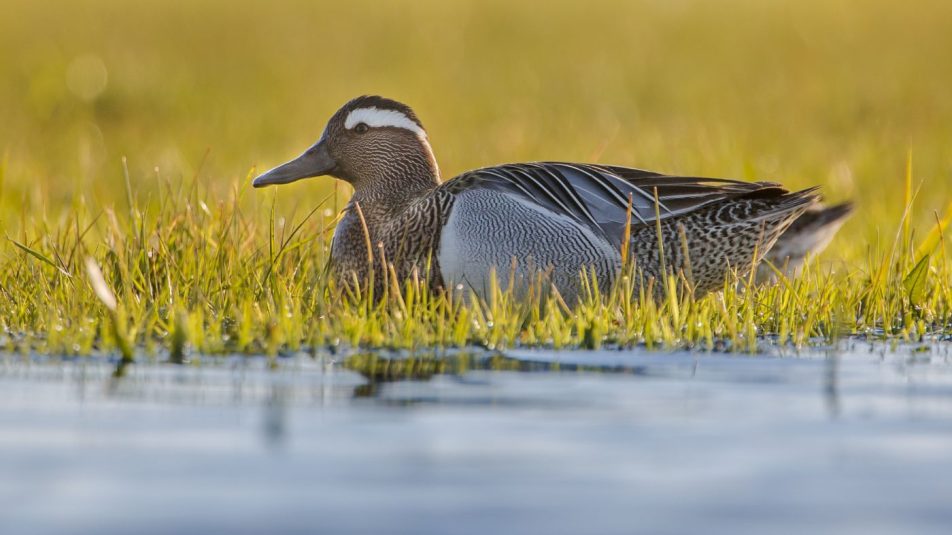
x=376 y=117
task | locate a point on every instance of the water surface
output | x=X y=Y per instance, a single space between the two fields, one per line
x=857 y=440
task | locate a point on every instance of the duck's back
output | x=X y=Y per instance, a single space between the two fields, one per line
x=562 y=218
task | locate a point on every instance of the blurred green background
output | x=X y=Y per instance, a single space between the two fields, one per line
x=800 y=91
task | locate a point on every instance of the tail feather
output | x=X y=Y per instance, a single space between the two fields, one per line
x=819 y=216
x=807 y=235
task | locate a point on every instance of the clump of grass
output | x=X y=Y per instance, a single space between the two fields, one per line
x=819 y=98
x=116 y=317
x=191 y=272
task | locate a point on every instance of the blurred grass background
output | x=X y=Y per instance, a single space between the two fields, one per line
x=196 y=94
x=800 y=91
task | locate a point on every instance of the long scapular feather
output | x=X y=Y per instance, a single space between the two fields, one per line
x=605 y=198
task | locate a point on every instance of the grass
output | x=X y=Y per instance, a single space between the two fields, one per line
x=129 y=135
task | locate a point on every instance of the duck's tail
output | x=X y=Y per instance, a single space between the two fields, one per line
x=821 y=217
x=807 y=235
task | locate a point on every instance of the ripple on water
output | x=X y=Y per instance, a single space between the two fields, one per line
x=556 y=442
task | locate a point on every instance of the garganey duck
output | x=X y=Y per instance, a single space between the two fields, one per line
x=514 y=221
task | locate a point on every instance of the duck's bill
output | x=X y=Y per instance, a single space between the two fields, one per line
x=315 y=161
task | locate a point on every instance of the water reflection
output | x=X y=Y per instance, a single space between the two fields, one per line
x=275 y=414
x=831 y=390
x=402 y=380
x=525 y=439
x=327 y=380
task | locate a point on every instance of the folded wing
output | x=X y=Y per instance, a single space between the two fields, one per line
x=600 y=196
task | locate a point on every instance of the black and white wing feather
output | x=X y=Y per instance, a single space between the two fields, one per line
x=599 y=196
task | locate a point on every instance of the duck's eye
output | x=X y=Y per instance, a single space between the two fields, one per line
x=361 y=128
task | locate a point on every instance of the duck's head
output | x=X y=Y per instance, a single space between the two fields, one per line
x=370 y=142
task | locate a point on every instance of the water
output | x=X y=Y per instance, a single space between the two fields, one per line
x=857 y=441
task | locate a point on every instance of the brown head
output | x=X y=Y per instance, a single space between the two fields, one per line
x=376 y=144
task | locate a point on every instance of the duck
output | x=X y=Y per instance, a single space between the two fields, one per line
x=505 y=225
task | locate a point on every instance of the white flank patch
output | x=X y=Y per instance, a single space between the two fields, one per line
x=376 y=117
